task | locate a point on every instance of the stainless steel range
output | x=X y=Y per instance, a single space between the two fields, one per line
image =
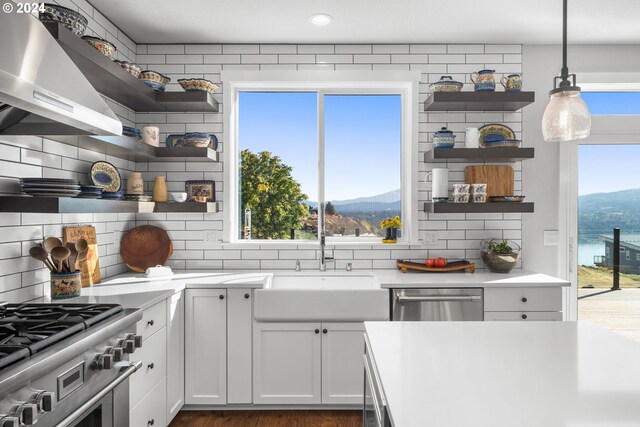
x=66 y=364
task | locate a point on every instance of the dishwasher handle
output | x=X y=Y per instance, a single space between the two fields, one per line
x=438 y=298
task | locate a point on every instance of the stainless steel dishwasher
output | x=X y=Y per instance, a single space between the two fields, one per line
x=440 y=304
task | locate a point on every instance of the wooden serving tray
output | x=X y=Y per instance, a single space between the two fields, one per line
x=462 y=265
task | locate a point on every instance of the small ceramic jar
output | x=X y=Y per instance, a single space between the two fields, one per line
x=461 y=198
x=460 y=188
x=160 y=189
x=446 y=84
x=66 y=285
x=478 y=188
x=444 y=138
x=479 y=198
x=135 y=184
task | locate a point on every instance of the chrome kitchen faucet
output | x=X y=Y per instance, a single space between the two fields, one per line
x=322 y=235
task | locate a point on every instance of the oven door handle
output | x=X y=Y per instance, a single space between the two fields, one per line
x=435 y=298
x=133 y=367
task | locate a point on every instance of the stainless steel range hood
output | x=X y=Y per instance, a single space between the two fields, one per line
x=42 y=92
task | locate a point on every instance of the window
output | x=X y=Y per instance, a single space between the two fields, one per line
x=628 y=255
x=281 y=183
x=638 y=256
x=295 y=145
x=612 y=102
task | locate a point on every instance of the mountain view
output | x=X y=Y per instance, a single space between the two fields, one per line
x=598 y=213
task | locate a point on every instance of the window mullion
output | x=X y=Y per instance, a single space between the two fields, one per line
x=321 y=168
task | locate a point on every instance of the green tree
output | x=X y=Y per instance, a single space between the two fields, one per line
x=330 y=209
x=274 y=197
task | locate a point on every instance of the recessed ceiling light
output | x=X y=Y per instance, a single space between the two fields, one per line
x=320 y=19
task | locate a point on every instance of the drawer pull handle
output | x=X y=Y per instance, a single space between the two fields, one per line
x=151 y=365
x=317 y=331
x=221 y=297
x=324 y=331
x=150 y=422
x=524 y=299
x=150 y=322
x=246 y=296
x=524 y=316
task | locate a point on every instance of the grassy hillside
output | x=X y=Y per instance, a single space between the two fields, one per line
x=603 y=278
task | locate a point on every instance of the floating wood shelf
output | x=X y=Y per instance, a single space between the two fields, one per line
x=523 y=207
x=79 y=205
x=135 y=150
x=116 y=83
x=478 y=101
x=476 y=155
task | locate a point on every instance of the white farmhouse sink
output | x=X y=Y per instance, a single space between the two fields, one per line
x=321 y=297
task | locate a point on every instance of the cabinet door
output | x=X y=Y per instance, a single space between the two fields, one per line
x=239 y=337
x=286 y=363
x=175 y=354
x=342 y=363
x=206 y=346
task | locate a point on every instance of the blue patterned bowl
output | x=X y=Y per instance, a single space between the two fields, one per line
x=154 y=80
x=72 y=20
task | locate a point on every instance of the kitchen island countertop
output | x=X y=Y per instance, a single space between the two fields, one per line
x=505 y=374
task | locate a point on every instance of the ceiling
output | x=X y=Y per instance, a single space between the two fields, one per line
x=373 y=21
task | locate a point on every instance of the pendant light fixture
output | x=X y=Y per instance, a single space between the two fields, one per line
x=566 y=117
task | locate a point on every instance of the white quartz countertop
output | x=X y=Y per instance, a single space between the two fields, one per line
x=135 y=290
x=506 y=374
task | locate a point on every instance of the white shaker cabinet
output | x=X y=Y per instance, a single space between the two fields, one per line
x=206 y=346
x=175 y=354
x=342 y=366
x=287 y=363
x=239 y=320
x=308 y=363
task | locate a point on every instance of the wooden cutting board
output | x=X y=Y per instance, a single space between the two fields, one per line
x=145 y=246
x=499 y=179
x=90 y=267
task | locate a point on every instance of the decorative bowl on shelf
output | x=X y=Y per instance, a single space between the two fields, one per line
x=130 y=67
x=138 y=197
x=505 y=143
x=179 y=197
x=192 y=139
x=198 y=85
x=103 y=46
x=72 y=20
x=154 y=80
x=131 y=132
x=512 y=198
x=446 y=84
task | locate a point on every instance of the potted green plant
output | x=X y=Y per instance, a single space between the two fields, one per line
x=391 y=226
x=499 y=257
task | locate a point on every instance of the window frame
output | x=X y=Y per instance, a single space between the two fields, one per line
x=324 y=83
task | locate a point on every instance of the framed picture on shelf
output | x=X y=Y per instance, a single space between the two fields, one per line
x=200 y=191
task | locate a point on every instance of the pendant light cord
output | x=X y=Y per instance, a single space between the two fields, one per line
x=565 y=70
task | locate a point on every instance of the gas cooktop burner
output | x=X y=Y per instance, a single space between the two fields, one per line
x=28 y=328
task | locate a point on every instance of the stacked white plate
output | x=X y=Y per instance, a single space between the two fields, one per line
x=50 y=187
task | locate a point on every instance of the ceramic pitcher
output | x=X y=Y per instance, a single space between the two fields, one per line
x=151 y=135
x=484 y=81
x=471 y=138
x=512 y=83
x=439 y=179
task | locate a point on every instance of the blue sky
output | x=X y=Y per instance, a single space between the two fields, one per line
x=607 y=168
x=362 y=139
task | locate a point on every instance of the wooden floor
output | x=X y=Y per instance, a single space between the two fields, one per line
x=618 y=311
x=267 y=419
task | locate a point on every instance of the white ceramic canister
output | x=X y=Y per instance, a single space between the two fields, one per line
x=471 y=138
x=439 y=179
x=151 y=135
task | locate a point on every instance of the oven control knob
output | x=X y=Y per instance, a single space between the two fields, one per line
x=28 y=413
x=128 y=346
x=105 y=361
x=137 y=339
x=116 y=352
x=9 y=421
x=44 y=400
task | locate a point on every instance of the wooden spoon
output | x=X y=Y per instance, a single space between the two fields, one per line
x=82 y=255
x=60 y=254
x=49 y=243
x=81 y=245
x=71 y=261
x=41 y=254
